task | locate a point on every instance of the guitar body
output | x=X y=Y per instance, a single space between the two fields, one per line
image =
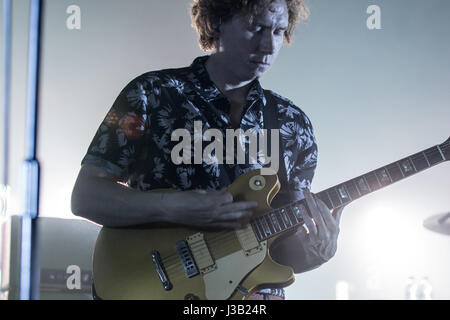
x=145 y=262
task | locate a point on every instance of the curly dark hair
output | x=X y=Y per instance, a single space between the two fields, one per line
x=207 y=15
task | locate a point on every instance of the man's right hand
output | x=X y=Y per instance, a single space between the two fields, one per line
x=210 y=209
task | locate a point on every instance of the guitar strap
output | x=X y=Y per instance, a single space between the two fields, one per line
x=272 y=121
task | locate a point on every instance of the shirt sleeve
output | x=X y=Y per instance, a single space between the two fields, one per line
x=120 y=137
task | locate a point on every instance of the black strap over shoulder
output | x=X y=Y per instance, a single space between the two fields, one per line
x=272 y=121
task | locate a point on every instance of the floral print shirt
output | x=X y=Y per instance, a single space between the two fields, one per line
x=134 y=140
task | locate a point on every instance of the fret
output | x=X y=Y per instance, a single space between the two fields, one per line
x=442 y=153
x=428 y=162
x=400 y=168
x=299 y=212
x=373 y=181
x=336 y=201
x=434 y=156
x=407 y=167
x=280 y=219
x=256 y=230
x=367 y=183
x=260 y=228
x=343 y=194
x=329 y=198
x=292 y=214
x=328 y=201
x=295 y=215
x=420 y=161
x=352 y=190
x=285 y=217
x=325 y=198
x=383 y=176
x=378 y=180
x=275 y=223
x=269 y=223
x=363 y=187
x=394 y=172
x=445 y=148
x=266 y=228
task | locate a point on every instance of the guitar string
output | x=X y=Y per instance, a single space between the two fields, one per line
x=178 y=268
x=413 y=157
x=194 y=248
x=179 y=274
x=228 y=234
x=430 y=152
x=175 y=256
x=224 y=238
x=219 y=236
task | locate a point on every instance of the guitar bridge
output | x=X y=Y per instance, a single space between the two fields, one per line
x=156 y=258
x=187 y=259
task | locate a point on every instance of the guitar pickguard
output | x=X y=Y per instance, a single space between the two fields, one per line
x=230 y=271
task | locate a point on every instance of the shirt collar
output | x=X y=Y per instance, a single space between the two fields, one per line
x=204 y=85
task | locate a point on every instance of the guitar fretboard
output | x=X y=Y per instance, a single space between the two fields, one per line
x=291 y=216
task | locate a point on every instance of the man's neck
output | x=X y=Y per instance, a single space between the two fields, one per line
x=226 y=80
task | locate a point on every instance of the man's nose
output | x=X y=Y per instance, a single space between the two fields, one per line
x=267 y=44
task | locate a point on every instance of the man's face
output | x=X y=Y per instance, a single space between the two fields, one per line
x=250 y=48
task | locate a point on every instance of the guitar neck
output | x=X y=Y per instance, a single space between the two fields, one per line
x=290 y=216
x=353 y=189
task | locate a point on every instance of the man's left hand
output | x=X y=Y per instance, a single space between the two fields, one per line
x=319 y=238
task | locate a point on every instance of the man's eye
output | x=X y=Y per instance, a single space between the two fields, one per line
x=279 y=32
x=255 y=28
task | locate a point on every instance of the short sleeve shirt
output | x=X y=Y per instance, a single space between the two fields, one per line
x=135 y=141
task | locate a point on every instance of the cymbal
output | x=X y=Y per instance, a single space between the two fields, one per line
x=439 y=223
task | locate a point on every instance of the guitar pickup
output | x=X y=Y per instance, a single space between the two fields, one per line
x=202 y=257
x=187 y=259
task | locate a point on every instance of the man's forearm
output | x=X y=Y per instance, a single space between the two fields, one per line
x=111 y=204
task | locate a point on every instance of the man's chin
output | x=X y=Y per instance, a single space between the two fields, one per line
x=250 y=74
x=258 y=74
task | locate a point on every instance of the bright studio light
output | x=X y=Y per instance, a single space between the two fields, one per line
x=387 y=229
x=342 y=290
x=390 y=235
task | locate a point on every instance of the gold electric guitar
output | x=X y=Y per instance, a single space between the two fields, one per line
x=180 y=263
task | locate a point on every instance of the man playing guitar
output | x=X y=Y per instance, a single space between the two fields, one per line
x=130 y=153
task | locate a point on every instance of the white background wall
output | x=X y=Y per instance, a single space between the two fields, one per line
x=374 y=96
